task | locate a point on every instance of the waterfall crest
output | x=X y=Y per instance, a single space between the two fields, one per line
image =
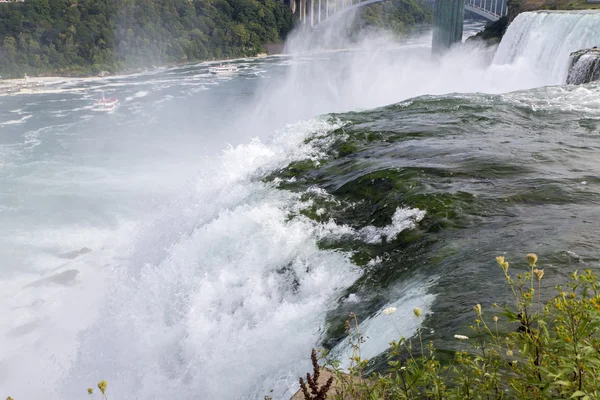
x=544 y=40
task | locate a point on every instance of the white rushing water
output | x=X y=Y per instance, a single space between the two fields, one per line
x=543 y=41
x=583 y=67
x=137 y=252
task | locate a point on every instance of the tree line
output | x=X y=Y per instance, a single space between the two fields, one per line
x=83 y=37
x=88 y=36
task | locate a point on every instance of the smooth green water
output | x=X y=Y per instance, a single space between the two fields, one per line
x=495 y=174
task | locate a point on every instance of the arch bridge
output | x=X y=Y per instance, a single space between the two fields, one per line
x=448 y=21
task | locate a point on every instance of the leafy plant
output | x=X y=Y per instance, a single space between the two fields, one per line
x=552 y=352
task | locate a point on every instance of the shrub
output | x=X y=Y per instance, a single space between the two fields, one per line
x=553 y=352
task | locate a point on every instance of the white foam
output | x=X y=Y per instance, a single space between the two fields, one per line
x=380 y=330
x=16 y=121
x=227 y=277
x=50 y=301
x=137 y=95
x=403 y=218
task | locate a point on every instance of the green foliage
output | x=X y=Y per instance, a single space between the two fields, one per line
x=89 y=36
x=493 y=31
x=397 y=16
x=553 y=350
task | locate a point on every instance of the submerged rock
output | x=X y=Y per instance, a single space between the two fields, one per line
x=584 y=66
x=74 y=254
x=62 y=278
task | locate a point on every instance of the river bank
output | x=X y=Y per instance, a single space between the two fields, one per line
x=30 y=85
x=48 y=84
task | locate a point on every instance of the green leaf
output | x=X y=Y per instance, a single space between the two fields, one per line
x=578 y=393
x=562 y=383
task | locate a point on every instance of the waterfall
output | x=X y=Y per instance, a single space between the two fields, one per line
x=544 y=40
x=584 y=67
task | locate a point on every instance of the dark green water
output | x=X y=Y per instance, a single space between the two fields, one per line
x=495 y=174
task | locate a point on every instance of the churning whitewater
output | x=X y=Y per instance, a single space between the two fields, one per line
x=137 y=251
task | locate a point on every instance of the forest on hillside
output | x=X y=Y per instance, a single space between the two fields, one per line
x=89 y=36
x=397 y=16
x=83 y=37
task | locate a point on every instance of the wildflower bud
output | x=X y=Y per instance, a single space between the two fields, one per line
x=9 y=398
x=532 y=259
x=500 y=260
x=389 y=310
x=102 y=386
x=538 y=273
x=504 y=266
x=509 y=353
x=347 y=326
x=477 y=309
x=495 y=318
x=90 y=391
x=417 y=312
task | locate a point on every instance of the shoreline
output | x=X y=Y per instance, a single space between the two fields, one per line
x=31 y=85
x=38 y=84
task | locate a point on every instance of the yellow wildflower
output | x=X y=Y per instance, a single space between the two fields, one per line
x=102 y=386
x=532 y=259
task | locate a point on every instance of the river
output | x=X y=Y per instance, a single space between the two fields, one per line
x=198 y=242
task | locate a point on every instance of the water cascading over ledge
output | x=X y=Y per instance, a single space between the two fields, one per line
x=584 y=66
x=544 y=40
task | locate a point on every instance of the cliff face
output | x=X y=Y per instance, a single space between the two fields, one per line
x=584 y=66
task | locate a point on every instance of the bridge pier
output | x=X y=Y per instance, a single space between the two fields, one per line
x=319 y=18
x=303 y=11
x=448 y=24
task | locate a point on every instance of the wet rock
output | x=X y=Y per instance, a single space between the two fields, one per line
x=74 y=254
x=62 y=278
x=584 y=66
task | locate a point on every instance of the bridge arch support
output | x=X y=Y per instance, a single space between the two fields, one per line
x=448 y=24
x=448 y=17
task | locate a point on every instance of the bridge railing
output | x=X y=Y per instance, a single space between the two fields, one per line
x=491 y=9
x=314 y=12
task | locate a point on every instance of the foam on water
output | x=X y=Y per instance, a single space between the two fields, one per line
x=242 y=284
x=220 y=295
x=15 y=121
x=46 y=306
x=403 y=218
x=137 y=95
x=380 y=330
